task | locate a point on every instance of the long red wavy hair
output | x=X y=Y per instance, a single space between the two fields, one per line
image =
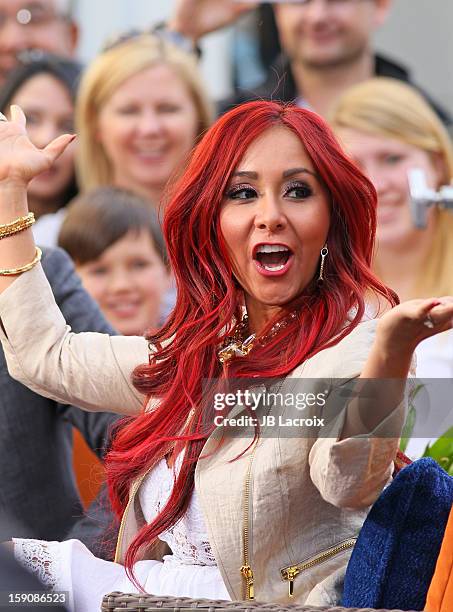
x=209 y=299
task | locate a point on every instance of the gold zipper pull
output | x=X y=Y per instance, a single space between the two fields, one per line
x=290 y=574
x=247 y=574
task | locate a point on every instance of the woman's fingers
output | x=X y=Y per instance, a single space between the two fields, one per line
x=408 y=324
x=421 y=308
x=430 y=309
x=20 y=159
x=55 y=148
x=18 y=116
x=442 y=312
x=446 y=299
x=436 y=315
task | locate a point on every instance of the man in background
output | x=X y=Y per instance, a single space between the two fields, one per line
x=326 y=47
x=28 y=25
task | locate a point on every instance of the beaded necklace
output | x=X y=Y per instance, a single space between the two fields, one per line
x=239 y=344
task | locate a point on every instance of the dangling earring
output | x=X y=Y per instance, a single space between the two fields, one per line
x=324 y=253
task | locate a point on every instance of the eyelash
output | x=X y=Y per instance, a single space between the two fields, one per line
x=237 y=189
x=300 y=185
x=243 y=188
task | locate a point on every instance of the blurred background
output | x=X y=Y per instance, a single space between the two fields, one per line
x=418 y=35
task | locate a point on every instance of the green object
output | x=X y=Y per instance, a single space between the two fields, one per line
x=442 y=451
x=409 y=424
x=408 y=428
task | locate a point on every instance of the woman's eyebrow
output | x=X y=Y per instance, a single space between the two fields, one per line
x=285 y=174
x=301 y=170
x=252 y=175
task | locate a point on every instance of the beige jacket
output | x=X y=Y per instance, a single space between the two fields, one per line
x=289 y=508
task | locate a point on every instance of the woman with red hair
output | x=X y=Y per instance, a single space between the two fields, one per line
x=270 y=234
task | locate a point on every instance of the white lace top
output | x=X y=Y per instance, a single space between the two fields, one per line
x=188 y=539
x=190 y=571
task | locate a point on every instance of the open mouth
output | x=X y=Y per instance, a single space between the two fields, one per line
x=272 y=257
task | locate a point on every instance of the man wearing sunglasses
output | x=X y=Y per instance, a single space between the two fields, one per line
x=30 y=25
x=327 y=46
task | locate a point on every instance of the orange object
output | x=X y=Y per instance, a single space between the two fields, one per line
x=88 y=469
x=440 y=593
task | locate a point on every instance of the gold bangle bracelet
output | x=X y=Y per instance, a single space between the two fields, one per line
x=18 y=225
x=21 y=269
x=15 y=230
x=17 y=221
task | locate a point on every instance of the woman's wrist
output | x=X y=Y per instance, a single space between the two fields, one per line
x=13 y=200
x=390 y=359
x=13 y=183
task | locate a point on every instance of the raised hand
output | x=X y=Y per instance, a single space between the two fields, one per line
x=401 y=330
x=20 y=160
x=194 y=18
x=408 y=324
x=398 y=333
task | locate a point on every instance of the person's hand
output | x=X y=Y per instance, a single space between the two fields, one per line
x=402 y=328
x=194 y=18
x=398 y=333
x=20 y=160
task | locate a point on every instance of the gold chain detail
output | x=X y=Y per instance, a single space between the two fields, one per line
x=236 y=346
x=16 y=226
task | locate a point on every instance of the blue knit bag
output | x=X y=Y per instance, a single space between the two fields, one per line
x=393 y=561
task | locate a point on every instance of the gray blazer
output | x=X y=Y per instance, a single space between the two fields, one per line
x=37 y=485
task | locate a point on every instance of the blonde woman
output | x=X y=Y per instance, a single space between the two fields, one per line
x=388 y=128
x=141 y=108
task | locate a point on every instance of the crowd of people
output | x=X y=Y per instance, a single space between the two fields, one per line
x=158 y=247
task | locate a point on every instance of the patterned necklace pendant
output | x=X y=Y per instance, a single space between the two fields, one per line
x=236 y=349
x=234 y=346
